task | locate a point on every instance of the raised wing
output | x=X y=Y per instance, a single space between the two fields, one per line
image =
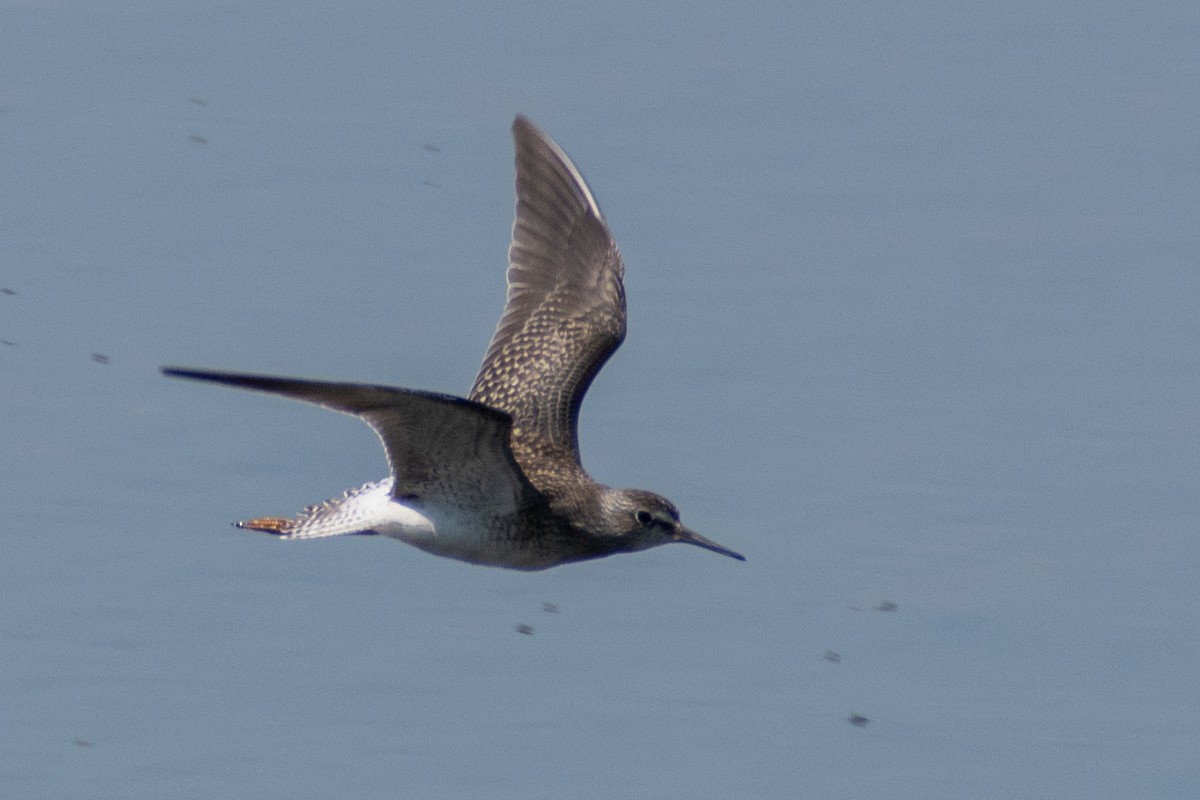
x=443 y=451
x=565 y=312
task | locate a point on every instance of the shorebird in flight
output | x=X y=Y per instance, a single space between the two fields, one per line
x=496 y=479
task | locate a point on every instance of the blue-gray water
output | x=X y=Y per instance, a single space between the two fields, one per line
x=913 y=324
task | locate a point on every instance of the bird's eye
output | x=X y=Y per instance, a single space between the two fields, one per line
x=642 y=517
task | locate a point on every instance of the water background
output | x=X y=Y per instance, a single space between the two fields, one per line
x=913 y=298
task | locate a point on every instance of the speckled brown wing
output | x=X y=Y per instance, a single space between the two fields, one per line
x=565 y=312
x=444 y=452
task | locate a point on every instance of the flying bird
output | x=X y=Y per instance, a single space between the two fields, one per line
x=496 y=478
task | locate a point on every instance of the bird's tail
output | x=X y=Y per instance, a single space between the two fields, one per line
x=352 y=513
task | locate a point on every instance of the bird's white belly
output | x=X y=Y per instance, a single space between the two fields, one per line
x=372 y=509
x=398 y=521
x=441 y=533
x=463 y=534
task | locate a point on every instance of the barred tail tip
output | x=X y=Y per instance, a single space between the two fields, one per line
x=280 y=526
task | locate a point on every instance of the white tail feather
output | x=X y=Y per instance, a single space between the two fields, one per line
x=354 y=512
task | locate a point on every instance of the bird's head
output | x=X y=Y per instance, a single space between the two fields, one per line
x=642 y=520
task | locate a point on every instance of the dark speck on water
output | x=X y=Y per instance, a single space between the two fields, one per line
x=525 y=630
x=887 y=605
x=100 y=358
x=7 y=291
x=550 y=608
x=858 y=720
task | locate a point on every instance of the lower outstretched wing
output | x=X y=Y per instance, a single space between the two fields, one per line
x=443 y=451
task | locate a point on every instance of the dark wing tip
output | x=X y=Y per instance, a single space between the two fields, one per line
x=523 y=127
x=522 y=123
x=537 y=151
x=202 y=374
x=198 y=374
x=176 y=372
x=259 y=382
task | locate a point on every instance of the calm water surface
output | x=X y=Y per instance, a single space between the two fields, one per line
x=913 y=325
